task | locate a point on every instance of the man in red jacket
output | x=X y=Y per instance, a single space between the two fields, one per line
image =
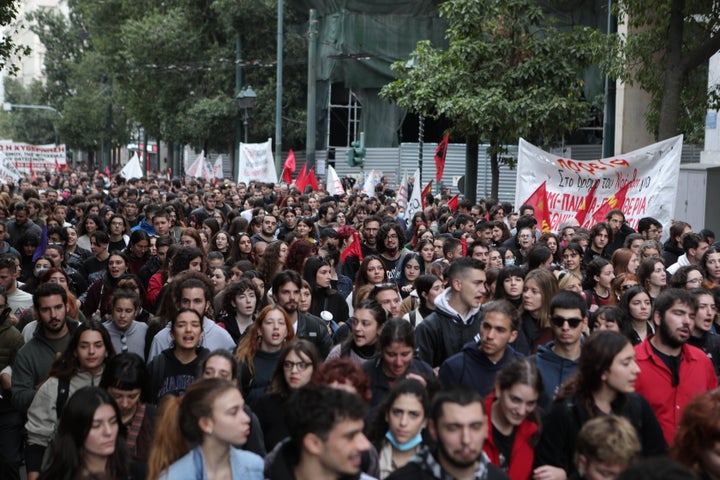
x=672 y=372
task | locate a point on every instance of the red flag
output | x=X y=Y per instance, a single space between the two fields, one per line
x=425 y=192
x=615 y=201
x=585 y=206
x=353 y=250
x=463 y=243
x=289 y=167
x=539 y=201
x=454 y=202
x=312 y=181
x=440 y=153
x=107 y=171
x=301 y=180
x=32 y=171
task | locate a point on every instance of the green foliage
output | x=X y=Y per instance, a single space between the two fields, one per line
x=169 y=67
x=23 y=125
x=9 y=49
x=667 y=38
x=506 y=73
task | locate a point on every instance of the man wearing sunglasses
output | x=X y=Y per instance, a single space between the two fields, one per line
x=558 y=360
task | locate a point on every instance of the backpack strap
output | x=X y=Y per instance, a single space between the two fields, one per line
x=413 y=317
x=63 y=392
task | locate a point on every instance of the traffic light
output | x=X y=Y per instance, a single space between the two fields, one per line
x=356 y=153
x=359 y=153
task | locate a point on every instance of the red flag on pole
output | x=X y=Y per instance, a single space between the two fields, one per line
x=353 y=250
x=440 y=153
x=301 y=180
x=425 y=192
x=312 y=181
x=615 y=201
x=585 y=206
x=454 y=202
x=539 y=201
x=289 y=167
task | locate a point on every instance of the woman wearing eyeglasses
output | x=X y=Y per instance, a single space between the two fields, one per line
x=637 y=306
x=687 y=277
x=295 y=367
x=604 y=385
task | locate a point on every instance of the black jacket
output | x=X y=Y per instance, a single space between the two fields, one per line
x=443 y=333
x=562 y=425
x=313 y=329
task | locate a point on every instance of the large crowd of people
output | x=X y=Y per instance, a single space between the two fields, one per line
x=182 y=329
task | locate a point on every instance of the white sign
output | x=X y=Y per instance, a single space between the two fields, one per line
x=257 y=162
x=415 y=203
x=42 y=157
x=652 y=174
x=334 y=185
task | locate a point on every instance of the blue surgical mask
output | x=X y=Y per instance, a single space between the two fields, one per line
x=404 y=447
x=509 y=262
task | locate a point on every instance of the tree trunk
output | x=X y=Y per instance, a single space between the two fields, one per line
x=494 y=170
x=673 y=75
x=471 y=168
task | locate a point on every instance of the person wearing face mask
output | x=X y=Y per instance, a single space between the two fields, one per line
x=42 y=265
x=397 y=430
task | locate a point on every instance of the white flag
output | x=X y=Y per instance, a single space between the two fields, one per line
x=415 y=204
x=199 y=168
x=334 y=185
x=132 y=169
x=257 y=162
x=369 y=183
x=217 y=170
x=402 y=199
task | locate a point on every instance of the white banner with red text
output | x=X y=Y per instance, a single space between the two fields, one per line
x=29 y=159
x=642 y=183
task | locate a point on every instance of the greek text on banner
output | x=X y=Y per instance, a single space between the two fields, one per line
x=642 y=183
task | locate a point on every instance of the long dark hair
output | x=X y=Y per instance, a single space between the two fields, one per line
x=126 y=371
x=67 y=364
x=378 y=312
x=379 y=426
x=319 y=294
x=598 y=353
x=67 y=451
x=524 y=372
x=279 y=385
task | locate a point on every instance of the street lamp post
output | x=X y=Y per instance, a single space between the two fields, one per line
x=7 y=106
x=246 y=100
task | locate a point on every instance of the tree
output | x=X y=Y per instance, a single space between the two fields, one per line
x=9 y=48
x=666 y=53
x=168 y=67
x=506 y=73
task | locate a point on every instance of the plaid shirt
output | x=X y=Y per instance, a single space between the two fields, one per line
x=427 y=461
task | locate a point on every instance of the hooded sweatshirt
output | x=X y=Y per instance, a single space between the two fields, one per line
x=472 y=368
x=444 y=332
x=555 y=370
